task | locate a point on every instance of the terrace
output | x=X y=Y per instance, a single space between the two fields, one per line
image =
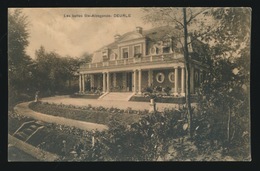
x=146 y=60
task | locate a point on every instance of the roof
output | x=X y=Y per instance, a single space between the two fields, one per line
x=154 y=34
x=158 y=33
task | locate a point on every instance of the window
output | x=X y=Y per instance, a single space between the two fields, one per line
x=171 y=77
x=137 y=50
x=104 y=54
x=153 y=50
x=160 y=77
x=125 y=52
x=113 y=56
x=159 y=51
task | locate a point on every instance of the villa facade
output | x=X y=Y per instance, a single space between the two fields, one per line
x=140 y=59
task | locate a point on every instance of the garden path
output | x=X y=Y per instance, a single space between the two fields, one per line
x=23 y=109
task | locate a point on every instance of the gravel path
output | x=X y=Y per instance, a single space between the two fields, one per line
x=23 y=109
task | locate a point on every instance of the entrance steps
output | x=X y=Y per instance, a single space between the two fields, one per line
x=120 y=96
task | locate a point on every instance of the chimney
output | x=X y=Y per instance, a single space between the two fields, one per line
x=117 y=36
x=139 y=30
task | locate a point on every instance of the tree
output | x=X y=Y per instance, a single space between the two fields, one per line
x=85 y=58
x=20 y=65
x=181 y=21
x=54 y=71
x=228 y=83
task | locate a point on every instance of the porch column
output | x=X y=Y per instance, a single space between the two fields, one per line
x=149 y=77
x=104 y=82
x=182 y=81
x=134 y=81
x=139 y=81
x=79 y=82
x=83 y=83
x=91 y=81
x=176 y=81
x=108 y=82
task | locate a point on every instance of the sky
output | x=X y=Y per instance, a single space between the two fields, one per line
x=57 y=29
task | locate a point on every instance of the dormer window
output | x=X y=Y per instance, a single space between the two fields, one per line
x=104 y=55
x=137 y=51
x=113 y=56
x=125 y=52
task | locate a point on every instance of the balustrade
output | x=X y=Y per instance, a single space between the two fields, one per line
x=129 y=61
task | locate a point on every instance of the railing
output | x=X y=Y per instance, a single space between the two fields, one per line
x=128 y=61
x=34 y=133
x=25 y=123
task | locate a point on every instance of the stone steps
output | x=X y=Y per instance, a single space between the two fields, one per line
x=122 y=96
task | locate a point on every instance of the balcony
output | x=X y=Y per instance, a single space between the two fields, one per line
x=146 y=60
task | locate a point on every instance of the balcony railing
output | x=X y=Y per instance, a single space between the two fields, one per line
x=163 y=58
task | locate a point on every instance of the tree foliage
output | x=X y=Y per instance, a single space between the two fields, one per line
x=182 y=19
x=54 y=71
x=20 y=65
x=224 y=94
x=49 y=73
x=85 y=58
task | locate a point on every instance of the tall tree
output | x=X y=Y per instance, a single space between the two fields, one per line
x=85 y=58
x=54 y=71
x=20 y=65
x=181 y=20
x=229 y=83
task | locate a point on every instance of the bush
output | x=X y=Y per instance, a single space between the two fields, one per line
x=167 y=90
x=148 y=90
x=154 y=137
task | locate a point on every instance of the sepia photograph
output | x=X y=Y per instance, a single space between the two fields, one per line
x=129 y=84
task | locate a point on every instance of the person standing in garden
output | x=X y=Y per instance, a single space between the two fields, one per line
x=36 y=96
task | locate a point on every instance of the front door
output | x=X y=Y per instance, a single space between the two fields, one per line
x=129 y=81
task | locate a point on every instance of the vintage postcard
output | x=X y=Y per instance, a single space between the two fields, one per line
x=129 y=84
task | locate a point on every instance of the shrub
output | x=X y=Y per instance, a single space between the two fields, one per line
x=158 y=88
x=148 y=90
x=167 y=90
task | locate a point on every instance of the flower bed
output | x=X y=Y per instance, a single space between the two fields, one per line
x=162 y=99
x=180 y=100
x=88 y=113
x=156 y=137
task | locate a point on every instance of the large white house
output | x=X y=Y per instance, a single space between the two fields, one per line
x=140 y=59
